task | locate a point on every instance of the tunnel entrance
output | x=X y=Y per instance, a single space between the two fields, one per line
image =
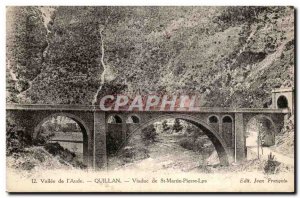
x=282 y=102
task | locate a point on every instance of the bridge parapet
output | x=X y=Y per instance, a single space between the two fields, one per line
x=95 y=108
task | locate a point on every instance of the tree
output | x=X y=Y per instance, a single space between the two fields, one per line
x=177 y=126
x=149 y=134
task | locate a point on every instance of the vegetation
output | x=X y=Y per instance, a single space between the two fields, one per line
x=26 y=42
x=177 y=126
x=165 y=125
x=271 y=166
x=65 y=156
x=132 y=154
x=73 y=55
x=16 y=139
x=149 y=134
x=285 y=139
x=198 y=142
x=27 y=153
x=222 y=53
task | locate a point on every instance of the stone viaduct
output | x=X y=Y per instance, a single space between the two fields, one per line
x=226 y=127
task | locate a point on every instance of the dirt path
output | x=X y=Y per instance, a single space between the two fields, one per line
x=266 y=151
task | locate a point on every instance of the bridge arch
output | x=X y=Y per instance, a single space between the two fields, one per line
x=252 y=137
x=227 y=118
x=227 y=125
x=219 y=144
x=115 y=119
x=133 y=119
x=83 y=127
x=213 y=119
x=262 y=116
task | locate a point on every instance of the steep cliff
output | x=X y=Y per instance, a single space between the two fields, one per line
x=232 y=56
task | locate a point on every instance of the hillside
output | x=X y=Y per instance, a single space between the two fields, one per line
x=64 y=54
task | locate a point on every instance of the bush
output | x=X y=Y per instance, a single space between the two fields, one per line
x=149 y=134
x=40 y=156
x=65 y=155
x=165 y=126
x=56 y=149
x=42 y=139
x=27 y=165
x=271 y=166
x=199 y=144
x=16 y=139
x=177 y=126
x=131 y=154
x=187 y=144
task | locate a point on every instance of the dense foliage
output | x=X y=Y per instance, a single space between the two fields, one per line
x=177 y=125
x=222 y=53
x=28 y=153
x=149 y=134
x=26 y=41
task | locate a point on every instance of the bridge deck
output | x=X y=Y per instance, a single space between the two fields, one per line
x=61 y=107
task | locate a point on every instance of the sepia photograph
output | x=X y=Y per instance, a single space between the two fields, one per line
x=150 y=99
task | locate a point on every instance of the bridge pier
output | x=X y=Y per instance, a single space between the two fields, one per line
x=124 y=130
x=99 y=141
x=239 y=140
